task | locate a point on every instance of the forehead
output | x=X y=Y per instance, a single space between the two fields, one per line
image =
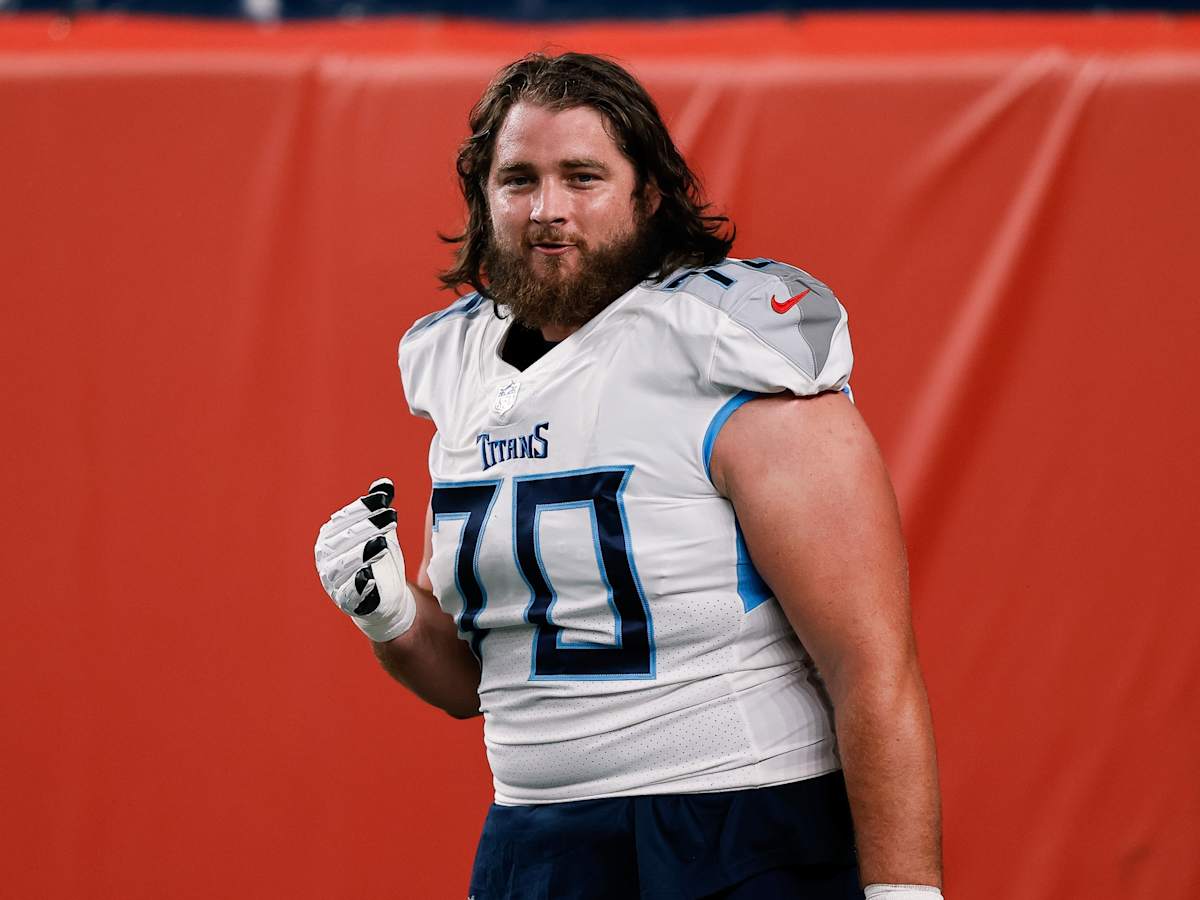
x=540 y=136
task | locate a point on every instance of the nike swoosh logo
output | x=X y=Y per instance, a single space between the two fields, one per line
x=787 y=304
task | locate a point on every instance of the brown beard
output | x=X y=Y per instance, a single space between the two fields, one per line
x=605 y=273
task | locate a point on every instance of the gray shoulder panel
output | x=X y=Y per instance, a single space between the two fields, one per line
x=801 y=323
x=787 y=308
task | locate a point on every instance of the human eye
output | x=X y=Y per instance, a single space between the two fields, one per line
x=584 y=178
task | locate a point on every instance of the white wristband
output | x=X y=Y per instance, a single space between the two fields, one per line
x=384 y=624
x=902 y=892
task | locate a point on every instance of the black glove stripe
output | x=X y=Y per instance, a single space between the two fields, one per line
x=383 y=519
x=374 y=501
x=362 y=577
x=369 y=604
x=384 y=486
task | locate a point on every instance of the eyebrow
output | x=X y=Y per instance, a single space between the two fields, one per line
x=509 y=168
x=583 y=163
x=576 y=163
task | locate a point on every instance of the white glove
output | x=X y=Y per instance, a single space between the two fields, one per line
x=902 y=892
x=362 y=568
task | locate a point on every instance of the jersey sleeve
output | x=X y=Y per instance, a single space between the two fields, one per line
x=430 y=354
x=785 y=331
x=414 y=376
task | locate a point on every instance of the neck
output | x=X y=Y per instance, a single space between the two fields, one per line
x=558 y=332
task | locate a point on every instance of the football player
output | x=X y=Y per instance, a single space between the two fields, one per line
x=663 y=558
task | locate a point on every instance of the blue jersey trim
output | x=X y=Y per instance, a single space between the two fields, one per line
x=463 y=306
x=617 y=619
x=637 y=579
x=718 y=422
x=751 y=587
x=712 y=273
x=590 y=506
x=472 y=634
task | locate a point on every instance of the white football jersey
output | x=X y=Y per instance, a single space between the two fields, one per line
x=627 y=644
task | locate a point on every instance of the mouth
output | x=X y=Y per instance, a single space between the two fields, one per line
x=552 y=248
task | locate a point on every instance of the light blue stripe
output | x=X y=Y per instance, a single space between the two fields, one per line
x=751 y=587
x=463 y=306
x=590 y=506
x=533 y=675
x=718 y=422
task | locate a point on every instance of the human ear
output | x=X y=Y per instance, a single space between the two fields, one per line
x=651 y=197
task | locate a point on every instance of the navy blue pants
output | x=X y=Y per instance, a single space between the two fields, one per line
x=794 y=841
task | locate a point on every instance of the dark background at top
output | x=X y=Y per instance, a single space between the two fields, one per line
x=559 y=10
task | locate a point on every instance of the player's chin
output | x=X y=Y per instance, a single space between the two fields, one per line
x=553 y=265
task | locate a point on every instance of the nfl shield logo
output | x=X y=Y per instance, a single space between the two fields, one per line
x=506 y=396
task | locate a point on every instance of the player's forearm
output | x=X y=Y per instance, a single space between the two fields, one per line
x=431 y=661
x=885 y=738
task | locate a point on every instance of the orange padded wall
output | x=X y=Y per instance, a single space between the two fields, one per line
x=211 y=238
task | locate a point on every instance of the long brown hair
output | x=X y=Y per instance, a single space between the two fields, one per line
x=687 y=235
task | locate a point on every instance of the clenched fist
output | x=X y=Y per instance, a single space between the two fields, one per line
x=362 y=568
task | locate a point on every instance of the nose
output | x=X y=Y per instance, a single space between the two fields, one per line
x=549 y=203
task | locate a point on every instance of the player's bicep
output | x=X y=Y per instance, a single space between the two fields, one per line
x=819 y=518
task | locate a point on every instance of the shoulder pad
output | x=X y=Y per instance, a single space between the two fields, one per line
x=427 y=364
x=789 y=310
x=467 y=305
